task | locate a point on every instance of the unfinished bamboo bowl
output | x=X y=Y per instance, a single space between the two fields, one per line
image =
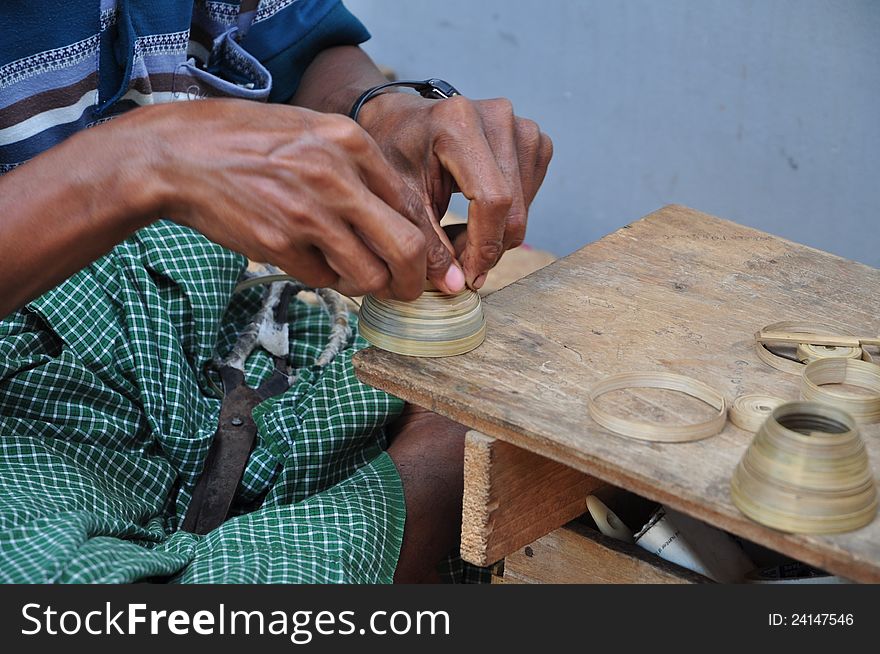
x=806 y=471
x=434 y=325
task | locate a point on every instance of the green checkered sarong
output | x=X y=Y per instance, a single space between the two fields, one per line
x=107 y=413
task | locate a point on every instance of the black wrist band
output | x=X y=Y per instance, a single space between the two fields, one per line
x=429 y=88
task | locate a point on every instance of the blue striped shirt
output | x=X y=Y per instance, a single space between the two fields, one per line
x=66 y=65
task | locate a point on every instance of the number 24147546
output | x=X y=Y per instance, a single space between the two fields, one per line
x=810 y=620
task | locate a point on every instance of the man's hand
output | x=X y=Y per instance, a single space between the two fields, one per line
x=497 y=159
x=309 y=192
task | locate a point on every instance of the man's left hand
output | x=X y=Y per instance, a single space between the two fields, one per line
x=480 y=147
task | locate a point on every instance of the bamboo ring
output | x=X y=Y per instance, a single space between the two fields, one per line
x=864 y=408
x=648 y=431
x=791 y=366
x=750 y=411
x=806 y=471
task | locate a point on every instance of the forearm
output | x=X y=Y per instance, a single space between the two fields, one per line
x=70 y=205
x=335 y=79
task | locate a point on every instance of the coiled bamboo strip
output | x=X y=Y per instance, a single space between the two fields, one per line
x=649 y=431
x=864 y=408
x=750 y=411
x=806 y=471
x=807 y=352
x=802 y=334
x=433 y=325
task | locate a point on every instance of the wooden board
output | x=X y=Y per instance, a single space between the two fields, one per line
x=512 y=497
x=576 y=554
x=678 y=291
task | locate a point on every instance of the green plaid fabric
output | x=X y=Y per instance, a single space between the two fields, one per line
x=107 y=414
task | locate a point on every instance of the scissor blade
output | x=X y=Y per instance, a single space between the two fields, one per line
x=230 y=449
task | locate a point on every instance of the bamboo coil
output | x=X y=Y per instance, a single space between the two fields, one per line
x=649 y=431
x=806 y=471
x=750 y=411
x=433 y=325
x=806 y=351
x=864 y=408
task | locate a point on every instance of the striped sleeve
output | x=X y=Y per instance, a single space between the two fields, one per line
x=286 y=36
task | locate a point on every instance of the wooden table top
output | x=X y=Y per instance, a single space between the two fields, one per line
x=678 y=291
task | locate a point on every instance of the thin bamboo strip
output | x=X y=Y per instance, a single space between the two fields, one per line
x=801 y=333
x=768 y=335
x=652 y=431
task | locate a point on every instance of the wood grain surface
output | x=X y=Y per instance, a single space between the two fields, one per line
x=512 y=497
x=576 y=554
x=678 y=291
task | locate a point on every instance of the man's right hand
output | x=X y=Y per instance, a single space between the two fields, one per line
x=308 y=192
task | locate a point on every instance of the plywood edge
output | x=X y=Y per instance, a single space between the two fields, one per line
x=476 y=510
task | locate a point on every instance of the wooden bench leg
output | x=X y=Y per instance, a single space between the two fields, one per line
x=513 y=497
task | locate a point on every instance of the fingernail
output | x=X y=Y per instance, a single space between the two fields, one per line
x=479 y=281
x=454 y=279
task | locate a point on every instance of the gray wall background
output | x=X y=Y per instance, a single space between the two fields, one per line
x=764 y=112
